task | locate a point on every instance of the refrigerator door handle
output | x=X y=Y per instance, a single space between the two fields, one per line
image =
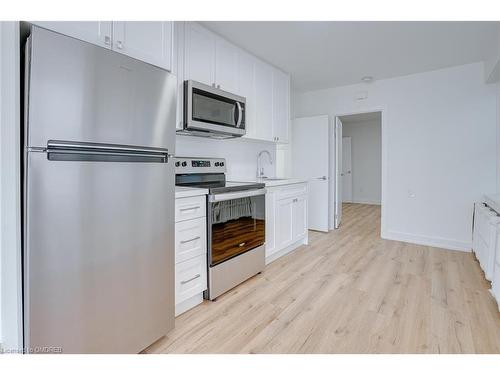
x=86 y=151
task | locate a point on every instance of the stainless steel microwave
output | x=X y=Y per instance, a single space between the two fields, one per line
x=212 y=112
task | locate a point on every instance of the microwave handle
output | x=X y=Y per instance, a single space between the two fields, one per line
x=240 y=115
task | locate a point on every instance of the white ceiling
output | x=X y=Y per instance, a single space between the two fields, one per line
x=361 y=117
x=327 y=54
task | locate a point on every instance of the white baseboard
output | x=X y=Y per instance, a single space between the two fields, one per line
x=365 y=201
x=286 y=250
x=444 y=243
x=188 y=304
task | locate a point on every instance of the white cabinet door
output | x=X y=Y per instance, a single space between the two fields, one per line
x=263 y=80
x=245 y=88
x=284 y=223
x=146 y=41
x=226 y=65
x=299 y=217
x=270 y=223
x=281 y=106
x=199 y=54
x=178 y=70
x=95 y=32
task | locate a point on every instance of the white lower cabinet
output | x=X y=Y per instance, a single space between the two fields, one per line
x=486 y=245
x=190 y=239
x=190 y=283
x=190 y=252
x=284 y=222
x=484 y=237
x=286 y=219
x=495 y=284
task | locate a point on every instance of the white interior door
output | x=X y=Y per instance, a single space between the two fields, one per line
x=310 y=161
x=338 y=172
x=346 y=170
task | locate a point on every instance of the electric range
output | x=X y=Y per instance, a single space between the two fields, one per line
x=236 y=214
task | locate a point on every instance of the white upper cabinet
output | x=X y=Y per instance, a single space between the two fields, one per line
x=146 y=41
x=90 y=31
x=226 y=65
x=199 y=54
x=281 y=106
x=263 y=86
x=245 y=88
x=151 y=42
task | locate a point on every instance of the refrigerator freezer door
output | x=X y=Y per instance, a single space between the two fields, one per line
x=82 y=92
x=99 y=254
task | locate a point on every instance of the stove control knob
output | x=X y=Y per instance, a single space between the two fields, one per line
x=177 y=163
x=216 y=163
x=221 y=163
x=184 y=164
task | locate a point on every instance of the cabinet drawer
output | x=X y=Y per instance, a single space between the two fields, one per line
x=292 y=191
x=190 y=208
x=190 y=239
x=190 y=278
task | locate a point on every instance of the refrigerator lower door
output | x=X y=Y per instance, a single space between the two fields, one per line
x=99 y=255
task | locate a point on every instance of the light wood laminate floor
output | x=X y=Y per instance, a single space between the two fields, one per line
x=349 y=292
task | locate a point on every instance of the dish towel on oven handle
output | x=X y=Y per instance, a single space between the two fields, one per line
x=231 y=210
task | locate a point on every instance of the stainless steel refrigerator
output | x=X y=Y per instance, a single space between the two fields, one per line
x=98 y=247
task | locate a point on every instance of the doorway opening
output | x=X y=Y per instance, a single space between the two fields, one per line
x=358 y=162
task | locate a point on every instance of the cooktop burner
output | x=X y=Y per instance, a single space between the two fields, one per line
x=208 y=173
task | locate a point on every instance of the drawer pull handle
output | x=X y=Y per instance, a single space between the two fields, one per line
x=190 y=240
x=191 y=279
x=190 y=208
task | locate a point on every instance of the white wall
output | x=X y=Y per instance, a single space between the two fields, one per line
x=497 y=86
x=241 y=155
x=439 y=143
x=1 y=196
x=10 y=193
x=366 y=160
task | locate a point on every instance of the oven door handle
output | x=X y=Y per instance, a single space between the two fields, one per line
x=236 y=195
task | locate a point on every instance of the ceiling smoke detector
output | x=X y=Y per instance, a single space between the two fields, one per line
x=367 y=79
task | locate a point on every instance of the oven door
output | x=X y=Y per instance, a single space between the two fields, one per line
x=213 y=110
x=236 y=224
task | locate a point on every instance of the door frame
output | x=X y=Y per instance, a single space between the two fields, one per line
x=384 y=156
x=343 y=159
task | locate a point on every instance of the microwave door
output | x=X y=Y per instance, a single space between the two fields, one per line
x=213 y=110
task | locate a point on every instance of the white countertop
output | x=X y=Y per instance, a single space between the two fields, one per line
x=184 y=192
x=283 y=181
x=493 y=200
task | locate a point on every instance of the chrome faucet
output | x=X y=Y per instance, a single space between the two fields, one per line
x=260 y=169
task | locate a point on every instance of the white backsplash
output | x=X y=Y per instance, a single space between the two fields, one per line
x=240 y=154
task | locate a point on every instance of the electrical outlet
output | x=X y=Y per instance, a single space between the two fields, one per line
x=411 y=194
